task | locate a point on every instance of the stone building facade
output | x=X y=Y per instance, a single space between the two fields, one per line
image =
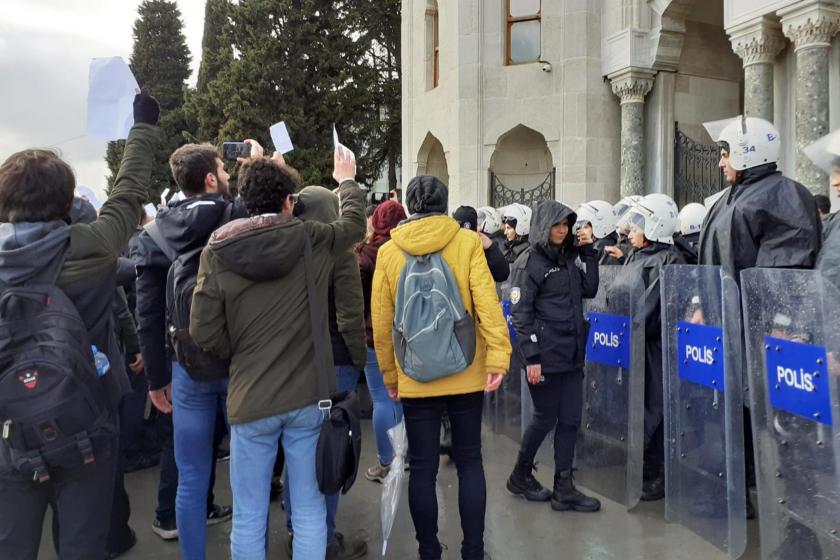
x=580 y=99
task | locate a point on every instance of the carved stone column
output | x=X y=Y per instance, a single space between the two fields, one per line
x=631 y=86
x=811 y=28
x=758 y=43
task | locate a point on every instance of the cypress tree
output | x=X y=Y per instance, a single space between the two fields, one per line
x=302 y=62
x=216 y=55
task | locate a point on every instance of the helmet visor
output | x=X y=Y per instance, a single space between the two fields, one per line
x=629 y=222
x=825 y=152
x=621 y=209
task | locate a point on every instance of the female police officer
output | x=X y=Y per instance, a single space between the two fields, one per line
x=547 y=292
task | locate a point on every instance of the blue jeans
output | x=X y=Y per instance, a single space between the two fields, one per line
x=194 y=408
x=386 y=413
x=347 y=378
x=253 y=450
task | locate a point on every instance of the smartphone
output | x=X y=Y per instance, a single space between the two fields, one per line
x=233 y=150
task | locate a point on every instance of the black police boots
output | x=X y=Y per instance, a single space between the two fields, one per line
x=523 y=484
x=653 y=486
x=567 y=497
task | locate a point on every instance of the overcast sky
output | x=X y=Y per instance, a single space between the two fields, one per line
x=45 y=51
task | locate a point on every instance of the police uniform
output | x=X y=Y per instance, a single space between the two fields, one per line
x=547 y=294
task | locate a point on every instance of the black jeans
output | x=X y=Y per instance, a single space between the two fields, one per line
x=168 y=482
x=83 y=501
x=422 y=424
x=558 y=403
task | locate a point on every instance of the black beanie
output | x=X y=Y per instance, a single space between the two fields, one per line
x=467 y=217
x=426 y=195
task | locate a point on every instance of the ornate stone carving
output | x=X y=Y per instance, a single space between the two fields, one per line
x=632 y=85
x=760 y=48
x=811 y=26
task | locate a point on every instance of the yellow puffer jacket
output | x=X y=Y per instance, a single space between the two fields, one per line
x=464 y=254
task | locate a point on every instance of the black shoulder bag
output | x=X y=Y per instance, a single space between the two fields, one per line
x=340 y=442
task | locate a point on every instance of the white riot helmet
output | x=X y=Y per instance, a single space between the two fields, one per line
x=625 y=204
x=600 y=215
x=750 y=141
x=522 y=215
x=489 y=220
x=690 y=218
x=656 y=216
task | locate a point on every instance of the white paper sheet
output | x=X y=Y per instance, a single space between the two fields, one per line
x=338 y=145
x=151 y=211
x=88 y=194
x=110 y=102
x=280 y=137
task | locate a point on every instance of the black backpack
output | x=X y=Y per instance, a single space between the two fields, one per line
x=180 y=285
x=52 y=402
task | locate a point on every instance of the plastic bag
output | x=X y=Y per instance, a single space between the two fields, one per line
x=393 y=483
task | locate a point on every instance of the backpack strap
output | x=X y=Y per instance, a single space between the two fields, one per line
x=324 y=402
x=153 y=229
x=154 y=232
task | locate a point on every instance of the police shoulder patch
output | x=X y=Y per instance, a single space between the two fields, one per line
x=515 y=295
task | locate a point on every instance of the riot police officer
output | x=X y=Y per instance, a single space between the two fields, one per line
x=598 y=217
x=490 y=224
x=689 y=226
x=763 y=219
x=517 y=225
x=650 y=226
x=623 y=247
x=547 y=294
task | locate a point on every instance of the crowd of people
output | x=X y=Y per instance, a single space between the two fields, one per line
x=225 y=310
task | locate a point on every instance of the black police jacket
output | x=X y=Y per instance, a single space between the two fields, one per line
x=547 y=291
x=688 y=245
x=765 y=220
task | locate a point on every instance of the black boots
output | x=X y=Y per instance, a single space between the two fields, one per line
x=653 y=485
x=523 y=484
x=567 y=497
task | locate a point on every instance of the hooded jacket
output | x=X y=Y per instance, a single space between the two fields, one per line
x=251 y=306
x=547 y=294
x=346 y=301
x=186 y=225
x=84 y=256
x=765 y=220
x=463 y=253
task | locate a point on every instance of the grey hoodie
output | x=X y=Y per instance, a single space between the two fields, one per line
x=84 y=256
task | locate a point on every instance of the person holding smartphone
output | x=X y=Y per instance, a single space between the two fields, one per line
x=547 y=291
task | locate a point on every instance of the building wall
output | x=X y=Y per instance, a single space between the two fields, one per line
x=708 y=82
x=479 y=99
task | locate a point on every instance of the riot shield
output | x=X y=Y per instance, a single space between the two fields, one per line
x=503 y=408
x=792 y=323
x=610 y=443
x=704 y=457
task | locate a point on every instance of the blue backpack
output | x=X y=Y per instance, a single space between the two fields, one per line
x=434 y=336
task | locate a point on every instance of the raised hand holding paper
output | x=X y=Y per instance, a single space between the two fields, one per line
x=280 y=137
x=339 y=146
x=110 y=109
